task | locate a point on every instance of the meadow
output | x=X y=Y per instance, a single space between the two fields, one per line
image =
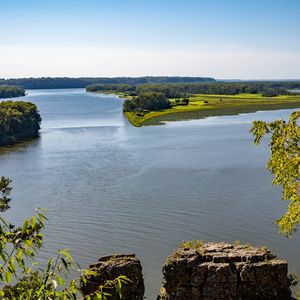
x=201 y=106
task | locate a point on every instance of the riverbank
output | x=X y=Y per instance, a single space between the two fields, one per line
x=201 y=106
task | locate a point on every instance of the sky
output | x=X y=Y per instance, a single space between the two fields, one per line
x=224 y=39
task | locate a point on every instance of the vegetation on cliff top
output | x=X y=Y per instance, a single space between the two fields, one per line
x=18 y=120
x=11 y=91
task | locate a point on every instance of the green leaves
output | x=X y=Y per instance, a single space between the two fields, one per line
x=65 y=252
x=284 y=163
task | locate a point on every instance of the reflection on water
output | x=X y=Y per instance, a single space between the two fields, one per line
x=20 y=146
x=110 y=187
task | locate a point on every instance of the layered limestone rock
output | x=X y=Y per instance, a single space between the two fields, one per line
x=109 y=268
x=201 y=271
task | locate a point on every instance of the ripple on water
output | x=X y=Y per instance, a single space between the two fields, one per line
x=112 y=188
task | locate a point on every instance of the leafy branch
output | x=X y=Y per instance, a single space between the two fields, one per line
x=284 y=163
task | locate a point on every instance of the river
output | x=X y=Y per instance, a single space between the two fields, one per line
x=110 y=187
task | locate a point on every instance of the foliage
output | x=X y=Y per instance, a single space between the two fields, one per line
x=184 y=101
x=268 y=89
x=67 y=82
x=23 y=279
x=185 y=89
x=147 y=101
x=284 y=163
x=11 y=91
x=194 y=244
x=18 y=119
x=273 y=92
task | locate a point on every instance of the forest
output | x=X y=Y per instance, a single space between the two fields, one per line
x=18 y=120
x=82 y=82
x=139 y=97
x=11 y=91
x=268 y=89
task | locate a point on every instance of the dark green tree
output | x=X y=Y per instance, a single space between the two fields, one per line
x=147 y=101
x=18 y=120
x=11 y=91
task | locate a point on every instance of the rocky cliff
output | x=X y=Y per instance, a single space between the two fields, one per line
x=201 y=271
x=109 y=268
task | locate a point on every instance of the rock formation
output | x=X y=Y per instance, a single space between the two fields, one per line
x=109 y=268
x=210 y=271
x=201 y=271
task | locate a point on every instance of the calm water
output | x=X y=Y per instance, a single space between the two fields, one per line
x=110 y=187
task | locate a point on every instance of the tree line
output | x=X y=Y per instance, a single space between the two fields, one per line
x=18 y=120
x=122 y=87
x=174 y=90
x=10 y=91
x=145 y=93
x=82 y=82
x=267 y=89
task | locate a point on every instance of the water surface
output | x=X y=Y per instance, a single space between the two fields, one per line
x=110 y=187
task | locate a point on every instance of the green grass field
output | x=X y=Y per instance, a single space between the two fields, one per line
x=201 y=106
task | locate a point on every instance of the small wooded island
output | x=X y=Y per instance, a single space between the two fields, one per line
x=11 y=91
x=18 y=120
x=150 y=104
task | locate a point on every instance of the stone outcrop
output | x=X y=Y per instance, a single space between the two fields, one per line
x=201 y=271
x=109 y=268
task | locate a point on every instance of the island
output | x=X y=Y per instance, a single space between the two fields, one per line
x=18 y=120
x=11 y=91
x=153 y=104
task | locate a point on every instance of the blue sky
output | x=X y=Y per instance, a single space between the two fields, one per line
x=221 y=38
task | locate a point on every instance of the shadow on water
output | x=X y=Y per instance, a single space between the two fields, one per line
x=21 y=145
